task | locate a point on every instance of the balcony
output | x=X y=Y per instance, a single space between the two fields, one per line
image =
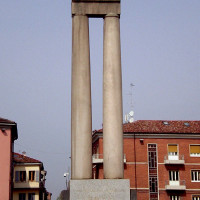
x=98 y=158
x=175 y=185
x=174 y=159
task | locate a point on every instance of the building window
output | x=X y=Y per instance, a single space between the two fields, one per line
x=31 y=196
x=22 y=196
x=174 y=197
x=153 y=184
x=173 y=175
x=31 y=175
x=153 y=176
x=173 y=152
x=20 y=176
x=196 y=197
x=195 y=174
x=172 y=149
x=195 y=150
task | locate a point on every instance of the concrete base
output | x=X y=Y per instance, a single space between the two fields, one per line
x=100 y=189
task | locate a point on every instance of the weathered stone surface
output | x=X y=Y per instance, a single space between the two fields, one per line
x=104 y=189
x=81 y=113
x=95 y=8
x=113 y=166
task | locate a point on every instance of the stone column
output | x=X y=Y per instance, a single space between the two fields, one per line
x=112 y=100
x=81 y=117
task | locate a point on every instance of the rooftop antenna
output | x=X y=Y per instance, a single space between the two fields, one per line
x=131 y=95
x=129 y=117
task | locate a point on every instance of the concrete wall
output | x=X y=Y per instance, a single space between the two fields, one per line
x=5 y=164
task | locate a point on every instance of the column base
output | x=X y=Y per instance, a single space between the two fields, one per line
x=100 y=189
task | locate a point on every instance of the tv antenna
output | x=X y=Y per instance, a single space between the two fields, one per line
x=129 y=117
x=131 y=95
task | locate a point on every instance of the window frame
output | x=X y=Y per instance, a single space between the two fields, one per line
x=173 y=175
x=190 y=150
x=172 y=197
x=170 y=144
x=23 y=198
x=30 y=195
x=22 y=176
x=195 y=196
x=32 y=175
x=18 y=176
x=194 y=181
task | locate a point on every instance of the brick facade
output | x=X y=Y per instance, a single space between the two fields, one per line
x=173 y=174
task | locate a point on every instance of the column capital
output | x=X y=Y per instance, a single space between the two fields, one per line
x=112 y=15
x=78 y=15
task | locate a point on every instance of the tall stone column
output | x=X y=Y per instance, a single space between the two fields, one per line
x=112 y=100
x=81 y=117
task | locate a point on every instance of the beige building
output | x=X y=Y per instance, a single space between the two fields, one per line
x=29 y=178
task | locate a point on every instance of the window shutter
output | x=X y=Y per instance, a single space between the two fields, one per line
x=173 y=148
x=37 y=176
x=194 y=148
x=16 y=176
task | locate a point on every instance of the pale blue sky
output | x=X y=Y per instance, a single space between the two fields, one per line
x=160 y=56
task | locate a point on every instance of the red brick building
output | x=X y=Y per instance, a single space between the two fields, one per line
x=161 y=159
x=8 y=133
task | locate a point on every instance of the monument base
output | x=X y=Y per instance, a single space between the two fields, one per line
x=100 y=189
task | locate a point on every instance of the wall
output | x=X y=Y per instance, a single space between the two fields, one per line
x=136 y=167
x=5 y=164
x=16 y=194
x=27 y=184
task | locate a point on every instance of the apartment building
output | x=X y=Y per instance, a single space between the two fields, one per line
x=161 y=159
x=8 y=134
x=29 y=178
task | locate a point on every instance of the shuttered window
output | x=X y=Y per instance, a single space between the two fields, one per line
x=173 y=149
x=16 y=176
x=31 y=175
x=37 y=176
x=22 y=196
x=20 y=176
x=195 y=150
x=31 y=196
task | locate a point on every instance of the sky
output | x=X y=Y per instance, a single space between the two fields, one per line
x=160 y=45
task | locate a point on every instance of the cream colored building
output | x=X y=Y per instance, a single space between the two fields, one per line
x=29 y=179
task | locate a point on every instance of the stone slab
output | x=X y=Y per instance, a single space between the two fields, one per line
x=100 y=189
x=96 y=8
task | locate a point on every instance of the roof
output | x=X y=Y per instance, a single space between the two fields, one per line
x=6 y=122
x=160 y=126
x=19 y=158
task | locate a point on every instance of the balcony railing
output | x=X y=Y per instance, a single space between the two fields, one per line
x=175 y=185
x=174 y=159
x=98 y=158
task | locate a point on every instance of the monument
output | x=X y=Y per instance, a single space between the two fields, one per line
x=113 y=186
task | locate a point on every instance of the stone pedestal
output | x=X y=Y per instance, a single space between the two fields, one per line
x=100 y=189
